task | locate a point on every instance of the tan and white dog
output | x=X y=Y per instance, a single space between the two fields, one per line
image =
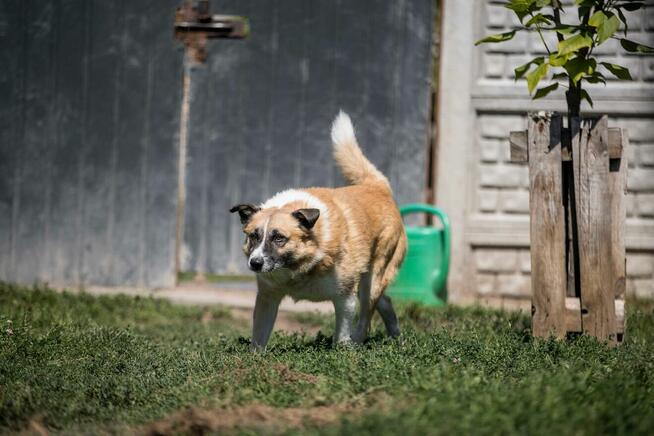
x=322 y=244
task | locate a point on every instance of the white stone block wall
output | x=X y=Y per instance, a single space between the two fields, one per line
x=488 y=197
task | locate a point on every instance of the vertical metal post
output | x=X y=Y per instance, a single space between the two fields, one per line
x=181 y=163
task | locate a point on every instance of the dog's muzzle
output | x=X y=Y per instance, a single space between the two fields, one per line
x=256 y=264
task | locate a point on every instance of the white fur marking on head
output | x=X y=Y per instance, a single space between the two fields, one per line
x=342 y=129
x=292 y=195
x=259 y=250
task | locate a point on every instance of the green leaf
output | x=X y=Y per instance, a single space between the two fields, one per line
x=585 y=96
x=500 y=37
x=558 y=61
x=535 y=76
x=607 y=29
x=522 y=8
x=566 y=29
x=574 y=43
x=618 y=71
x=539 y=19
x=635 y=47
x=559 y=76
x=542 y=92
x=522 y=69
x=597 y=19
x=596 y=77
x=579 y=67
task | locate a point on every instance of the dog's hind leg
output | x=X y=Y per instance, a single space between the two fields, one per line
x=385 y=309
x=366 y=309
x=383 y=274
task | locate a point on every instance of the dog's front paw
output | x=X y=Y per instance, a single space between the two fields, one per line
x=257 y=348
x=343 y=342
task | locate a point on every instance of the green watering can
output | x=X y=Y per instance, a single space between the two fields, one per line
x=423 y=275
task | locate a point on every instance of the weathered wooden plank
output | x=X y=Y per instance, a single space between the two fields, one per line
x=547 y=225
x=573 y=315
x=591 y=167
x=617 y=190
x=518 y=144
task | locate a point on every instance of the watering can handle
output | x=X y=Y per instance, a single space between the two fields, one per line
x=445 y=221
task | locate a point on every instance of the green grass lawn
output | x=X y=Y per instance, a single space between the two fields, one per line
x=79 y=364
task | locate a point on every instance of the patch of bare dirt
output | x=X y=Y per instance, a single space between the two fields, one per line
x=199 y=421
x=289 y=375
x=34 y=427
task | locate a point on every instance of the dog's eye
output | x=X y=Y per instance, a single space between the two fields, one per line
x=254 y=236
x=279 y=240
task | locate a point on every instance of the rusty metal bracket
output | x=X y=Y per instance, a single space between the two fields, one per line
x=194 y=25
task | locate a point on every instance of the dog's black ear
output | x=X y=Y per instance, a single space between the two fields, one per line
x=245 y=211
x=307 y=217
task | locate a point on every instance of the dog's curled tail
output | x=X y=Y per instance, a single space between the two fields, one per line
x=356 y=168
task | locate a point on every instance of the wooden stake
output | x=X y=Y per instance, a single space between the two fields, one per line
x=591 y=170
x=617 y=190
x=548 y=278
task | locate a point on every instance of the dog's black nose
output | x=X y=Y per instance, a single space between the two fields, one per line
x=256 y=263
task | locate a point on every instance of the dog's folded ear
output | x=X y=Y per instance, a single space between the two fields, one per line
x=245 y=211
x=307 y=217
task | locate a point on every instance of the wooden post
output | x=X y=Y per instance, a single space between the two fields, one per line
x=617 y=191
x=599 y=174
x=590 y=159
x=548 y=272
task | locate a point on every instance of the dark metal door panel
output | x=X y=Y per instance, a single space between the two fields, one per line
x=88 y=145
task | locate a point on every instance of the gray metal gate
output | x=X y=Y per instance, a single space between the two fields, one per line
x=89 y=123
